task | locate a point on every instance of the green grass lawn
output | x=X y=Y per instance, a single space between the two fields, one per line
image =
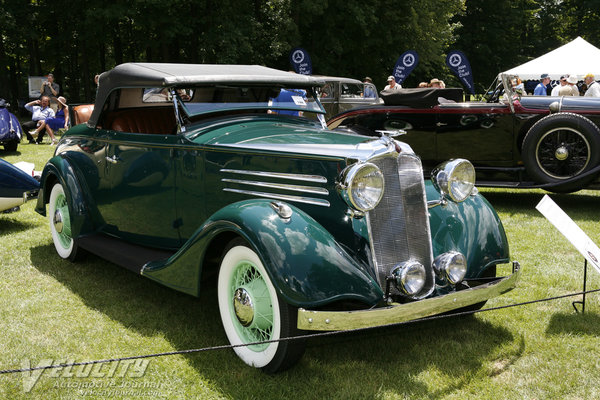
x=51 y=309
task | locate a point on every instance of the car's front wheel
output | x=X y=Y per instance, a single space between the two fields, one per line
x=559 y=147
x=60 y=224
x=11 y=146
x=251 y=311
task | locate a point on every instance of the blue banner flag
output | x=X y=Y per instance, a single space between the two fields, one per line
x=404 y=65
x=300 y=60
x=458 y=63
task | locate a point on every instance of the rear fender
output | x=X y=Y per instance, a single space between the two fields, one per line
x=306 y=265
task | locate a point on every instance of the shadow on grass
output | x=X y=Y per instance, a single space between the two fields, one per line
x=10 y=225
x=577 y=324
x=351 y=365
x=573 y=204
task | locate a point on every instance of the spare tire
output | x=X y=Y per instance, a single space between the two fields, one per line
x=560 y=147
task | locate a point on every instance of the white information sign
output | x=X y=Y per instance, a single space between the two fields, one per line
x=570 y=230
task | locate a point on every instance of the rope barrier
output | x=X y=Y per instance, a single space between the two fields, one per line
x=299 y=337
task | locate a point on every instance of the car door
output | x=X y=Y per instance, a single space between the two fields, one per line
x=140 y=172
x=481 y=133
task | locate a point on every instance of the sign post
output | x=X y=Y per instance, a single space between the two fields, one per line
x=574 y=234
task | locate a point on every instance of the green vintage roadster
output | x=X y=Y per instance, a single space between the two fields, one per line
x=187 y=170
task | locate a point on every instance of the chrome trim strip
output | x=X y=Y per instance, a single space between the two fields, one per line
x=283 y=186
x=298 y=199
x=346 y=320
x=280 y=175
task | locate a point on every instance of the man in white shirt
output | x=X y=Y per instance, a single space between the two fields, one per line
x=593 y=87
x=563 y=82
x=392 y=85
x=40 y=110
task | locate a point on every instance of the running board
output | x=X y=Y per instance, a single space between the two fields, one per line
x=127 y=255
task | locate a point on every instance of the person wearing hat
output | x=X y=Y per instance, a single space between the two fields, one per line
x=392 y=85
x=593 y=87
x=435 y=83
x=60 y=120
x=369 y=90
x=542 y=88
x=562 y=83
x=570 y=89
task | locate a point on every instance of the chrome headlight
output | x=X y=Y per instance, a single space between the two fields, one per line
x=409 y=277
x=451 y=266
x=454 y=179
x=362 y=186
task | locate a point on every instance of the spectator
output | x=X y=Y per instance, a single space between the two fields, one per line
x=40 y=110
x=370 y=90
x=593 y=87
x=435 y=83
x=570 y=89
x=518 y=86
x=49 y=88
x=59 y=121
x=423 y=85
x=562 y=83
x=392 y=85
x=542 y=88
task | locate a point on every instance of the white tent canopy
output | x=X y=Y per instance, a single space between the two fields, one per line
x=577 y=57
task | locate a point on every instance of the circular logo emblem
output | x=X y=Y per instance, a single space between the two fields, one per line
x=592 y=256
x=298 y=56
x=408 y=60
x=455 y=60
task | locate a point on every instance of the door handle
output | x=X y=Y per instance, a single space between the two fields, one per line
x=114 y=159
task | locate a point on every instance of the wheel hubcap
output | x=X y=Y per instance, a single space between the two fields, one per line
x=58 y=221
x=243 y=306
x=561 y=153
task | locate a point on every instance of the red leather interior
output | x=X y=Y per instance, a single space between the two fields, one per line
x=143 y=120
x=82 y=113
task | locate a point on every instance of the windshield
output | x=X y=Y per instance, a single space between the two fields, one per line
x=205 y=100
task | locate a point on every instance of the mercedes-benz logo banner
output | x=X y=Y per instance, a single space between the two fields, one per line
x=300 y=60
x=458 y=63
x=405 y=64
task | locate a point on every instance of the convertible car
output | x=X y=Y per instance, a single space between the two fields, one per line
x=188 y=171
x=513 y=141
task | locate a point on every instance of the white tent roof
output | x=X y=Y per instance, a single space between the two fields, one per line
x=577 y=57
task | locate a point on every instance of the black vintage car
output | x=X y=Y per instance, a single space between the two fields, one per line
x=513 y=141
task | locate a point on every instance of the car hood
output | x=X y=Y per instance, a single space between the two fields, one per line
x=292 y=136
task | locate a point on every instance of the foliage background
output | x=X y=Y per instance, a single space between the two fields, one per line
x=78 y=39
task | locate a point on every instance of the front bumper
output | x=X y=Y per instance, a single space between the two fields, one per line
x=346 y=320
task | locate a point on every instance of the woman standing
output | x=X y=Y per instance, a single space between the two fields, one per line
x=60 y=120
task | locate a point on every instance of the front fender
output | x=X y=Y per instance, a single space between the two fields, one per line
x=306 y=265
x=60 y=170
x=472 y=228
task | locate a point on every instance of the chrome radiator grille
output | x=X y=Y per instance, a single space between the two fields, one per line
x=399 y=225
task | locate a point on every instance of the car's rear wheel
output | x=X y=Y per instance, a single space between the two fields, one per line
x=60 y=224
x=251 y=311
x=559 y=147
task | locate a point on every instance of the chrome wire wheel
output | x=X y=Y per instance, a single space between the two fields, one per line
x=60 y=222
x=258 y=318
x=251 y=312
x=562 y=153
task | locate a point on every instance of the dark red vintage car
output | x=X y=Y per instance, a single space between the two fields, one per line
x=513 y=141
